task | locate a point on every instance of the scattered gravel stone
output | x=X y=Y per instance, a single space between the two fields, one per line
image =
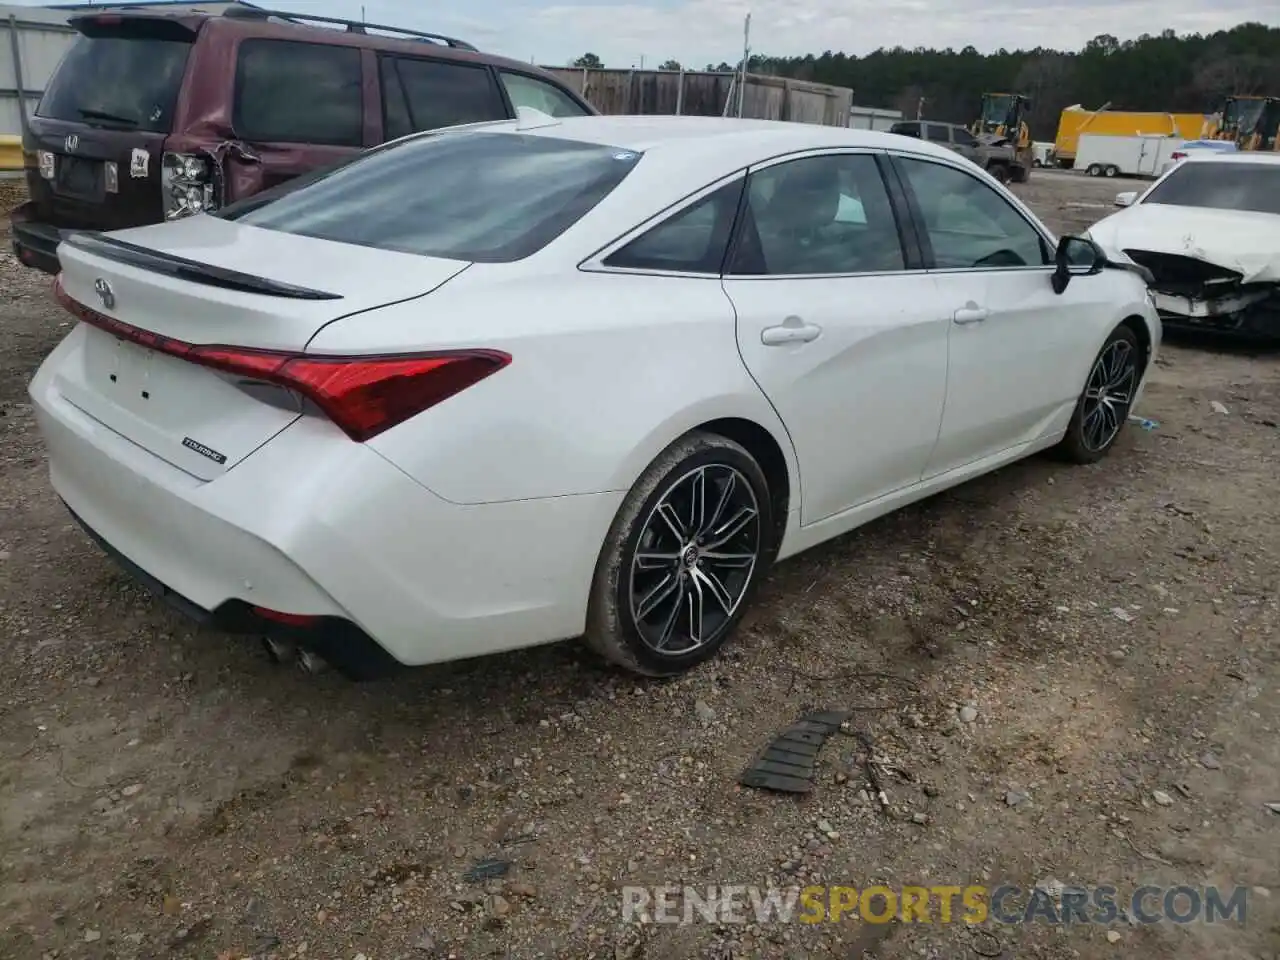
x=968 y=714
x=1161 y=798
x=1210 y=762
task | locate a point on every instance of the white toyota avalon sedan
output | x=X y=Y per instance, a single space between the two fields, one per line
x=518 y=382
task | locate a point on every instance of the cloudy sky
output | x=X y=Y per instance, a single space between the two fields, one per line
x=696 y=32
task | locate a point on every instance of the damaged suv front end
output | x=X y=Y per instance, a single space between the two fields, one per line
x=1209 y=234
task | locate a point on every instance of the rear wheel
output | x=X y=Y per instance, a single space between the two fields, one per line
x=1000 y=172
x=1110 y=170
x=682 y=558
x=1094 y=170
x=1103 y=407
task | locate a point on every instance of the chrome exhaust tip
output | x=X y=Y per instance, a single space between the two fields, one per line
x=280 y=651
x=312 y=663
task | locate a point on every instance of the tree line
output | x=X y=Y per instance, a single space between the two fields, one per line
x=1191 y=73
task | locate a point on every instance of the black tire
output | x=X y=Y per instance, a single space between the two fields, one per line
x=1000 y=172
x=1094 y=170
x=1021 y=174
x=613 y=629
x=1082 y=444
x=1110 y=170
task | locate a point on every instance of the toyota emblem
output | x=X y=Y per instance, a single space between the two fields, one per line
x=105 y=293
x=72 y=143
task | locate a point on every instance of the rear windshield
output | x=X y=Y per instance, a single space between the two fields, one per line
x=121 y=82
x=481 y=197
x=1247 y=187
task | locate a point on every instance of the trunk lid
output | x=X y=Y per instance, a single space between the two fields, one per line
x=104 y=118
x=204 y=280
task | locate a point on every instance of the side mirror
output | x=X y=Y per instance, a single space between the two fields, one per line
x=1126 y=199
x=1076 y=257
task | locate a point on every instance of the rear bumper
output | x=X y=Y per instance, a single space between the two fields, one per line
x=355 y=654
x=314 y=525
x=35 y=244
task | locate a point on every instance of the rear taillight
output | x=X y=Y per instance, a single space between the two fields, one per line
x=1177 y=155
x=186 y=185
x=363 y=396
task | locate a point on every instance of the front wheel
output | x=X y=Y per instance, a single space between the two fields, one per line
x=1094 y=170
x=682 y=558
x=1103 y=407
x=1000 y=172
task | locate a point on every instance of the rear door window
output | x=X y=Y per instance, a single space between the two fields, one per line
x=295 y=92
x=429 y=94
x=128 y=80
x=818 y=215
x=541 y=96
x=938 y=133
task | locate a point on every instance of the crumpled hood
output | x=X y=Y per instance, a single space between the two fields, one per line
x=1248 y=243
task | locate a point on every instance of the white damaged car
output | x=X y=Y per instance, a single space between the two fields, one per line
x=1209 y=233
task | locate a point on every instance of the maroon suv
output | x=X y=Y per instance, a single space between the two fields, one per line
x=156 y=117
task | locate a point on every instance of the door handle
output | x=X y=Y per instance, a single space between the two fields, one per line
x=791 y=330
x=971 y=313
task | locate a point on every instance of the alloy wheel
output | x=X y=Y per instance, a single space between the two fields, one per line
x=1108 y=395
x=694 y=559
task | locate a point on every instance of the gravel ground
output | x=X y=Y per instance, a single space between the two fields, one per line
x=1065 y=674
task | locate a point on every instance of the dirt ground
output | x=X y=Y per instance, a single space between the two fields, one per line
x=1031 y=656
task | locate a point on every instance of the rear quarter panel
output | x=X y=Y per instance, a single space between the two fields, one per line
x=607 y=371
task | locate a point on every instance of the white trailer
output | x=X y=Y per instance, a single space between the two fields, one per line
x=1102 y=155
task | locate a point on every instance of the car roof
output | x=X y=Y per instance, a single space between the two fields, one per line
x=1227 y=156
x=269 y=24
x=751 y=141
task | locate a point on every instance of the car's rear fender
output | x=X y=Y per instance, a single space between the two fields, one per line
x=606 y=371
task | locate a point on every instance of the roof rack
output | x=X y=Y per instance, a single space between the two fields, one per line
x=353 y=26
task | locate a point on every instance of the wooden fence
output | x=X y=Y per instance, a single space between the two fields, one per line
x=701 y=94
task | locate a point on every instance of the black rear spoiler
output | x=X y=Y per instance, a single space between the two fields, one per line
x=190 y=270
x=149 y=26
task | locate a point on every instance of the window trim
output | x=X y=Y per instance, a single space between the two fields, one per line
x=1048 y=241
x=907 y=240
x=550 y=82
x=595 y=263
x=944 y=128
x=393 y=57
x=238 y=89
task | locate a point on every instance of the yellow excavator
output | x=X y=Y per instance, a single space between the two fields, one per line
x=1002 y=115
x=1251 y=122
